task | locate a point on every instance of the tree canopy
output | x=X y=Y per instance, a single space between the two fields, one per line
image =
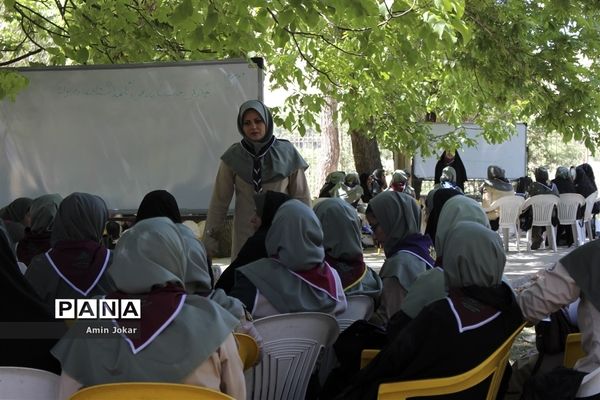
x=386 y=62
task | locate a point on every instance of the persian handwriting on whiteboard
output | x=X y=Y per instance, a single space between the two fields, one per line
x=131 y=89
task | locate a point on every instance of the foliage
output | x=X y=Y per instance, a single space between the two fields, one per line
x=549 y=150
x=387 y=62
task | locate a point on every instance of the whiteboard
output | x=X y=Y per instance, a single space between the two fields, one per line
x=510 y=155
x=122 y=131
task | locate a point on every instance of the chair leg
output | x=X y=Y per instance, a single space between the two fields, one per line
x=505 y=233
x=588 y=228
x=575 y=232
x=518 y=230
x=551 y=237
x=528 y=236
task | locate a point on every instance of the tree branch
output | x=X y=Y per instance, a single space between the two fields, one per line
x=19 y=5
x=304 y=56
x=313 y=66
x=323 y=38
x=28 y=36
x=14 y=60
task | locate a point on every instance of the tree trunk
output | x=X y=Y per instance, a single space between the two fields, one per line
x=366 y=152
x=330 y=140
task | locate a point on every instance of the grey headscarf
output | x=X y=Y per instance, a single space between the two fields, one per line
x=583 y=264
x=341 y=228
x=296 y=237
x=496 y=178
x=399 y=176
x=476 y=261
x=295 y=241
x=398 y=215
x=563 y=173
x=448 y=175
x=43 y=210
x=458 y=208
x=16 y=210
x=80 y=216
x=430 y=286
x=279 y=161
x=264 y=113
x=197 y=278
x=151 y=253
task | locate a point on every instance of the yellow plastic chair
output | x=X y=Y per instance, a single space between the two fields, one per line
x=248 y=349
x=573 y=350
x=148 y=391
x=493 y=366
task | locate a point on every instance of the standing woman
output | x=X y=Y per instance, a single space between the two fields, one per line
x=258 y=162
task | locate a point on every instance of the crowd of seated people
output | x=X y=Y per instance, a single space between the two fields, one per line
x=441 y=303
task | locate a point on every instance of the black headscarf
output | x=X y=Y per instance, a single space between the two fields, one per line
x=267 y=204
x=457 y=164
x=159 y=203
x=24 y=314
x=563 y=181
x=583 y=184
x=440 y=198
x=587 y=168
x=364 y=178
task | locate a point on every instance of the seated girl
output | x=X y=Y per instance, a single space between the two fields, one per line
x=295 y=277
x=180 y=338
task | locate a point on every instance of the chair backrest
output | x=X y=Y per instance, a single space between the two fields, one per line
x=573 y=350
x=542 y=206
x=493 y=366
x=568 y=204
x=509 y=208
x=291 y=346
x=360 y=306
x=589 y=204
x=148 y=391
x=19 y=383
x=248 y=349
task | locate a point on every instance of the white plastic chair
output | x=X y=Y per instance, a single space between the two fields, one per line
x=509 y=208
x=19 y=383
x=359 y=307
x=568 y=204
x=590 y=385
x=291 y=347
x=587 y=216
x=542 y=206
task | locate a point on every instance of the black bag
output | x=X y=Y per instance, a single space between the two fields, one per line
x=559 y=384
x=550 y=336
x=526 y=219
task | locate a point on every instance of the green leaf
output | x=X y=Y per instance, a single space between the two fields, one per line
x=182 y=12
x=82 y=55
x=212 y=19
x=285 y=17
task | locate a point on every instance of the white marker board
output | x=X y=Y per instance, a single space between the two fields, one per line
x=122 y=131
x=510 y=155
